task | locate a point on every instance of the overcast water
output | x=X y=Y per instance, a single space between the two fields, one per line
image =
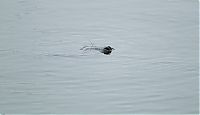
x=153 y=69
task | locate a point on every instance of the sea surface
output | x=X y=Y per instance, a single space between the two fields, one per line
x=153 y=69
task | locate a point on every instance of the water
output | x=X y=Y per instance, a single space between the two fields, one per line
x=153 y=69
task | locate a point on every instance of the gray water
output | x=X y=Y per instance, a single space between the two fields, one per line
x=153 y=69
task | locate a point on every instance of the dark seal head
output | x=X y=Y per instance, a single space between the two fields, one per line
x=107 y=50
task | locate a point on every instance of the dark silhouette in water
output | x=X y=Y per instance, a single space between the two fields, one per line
x=106 y=50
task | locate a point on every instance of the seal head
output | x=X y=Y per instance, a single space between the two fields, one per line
x=107 y=50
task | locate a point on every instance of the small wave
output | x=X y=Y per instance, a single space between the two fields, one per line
x=89 y=48
x=65 y=55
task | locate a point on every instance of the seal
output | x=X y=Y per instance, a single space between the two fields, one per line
x=105 y=50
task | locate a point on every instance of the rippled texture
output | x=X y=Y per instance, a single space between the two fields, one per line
x=153 y=69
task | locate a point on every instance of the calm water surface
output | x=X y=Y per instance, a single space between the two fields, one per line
x=154 y=68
